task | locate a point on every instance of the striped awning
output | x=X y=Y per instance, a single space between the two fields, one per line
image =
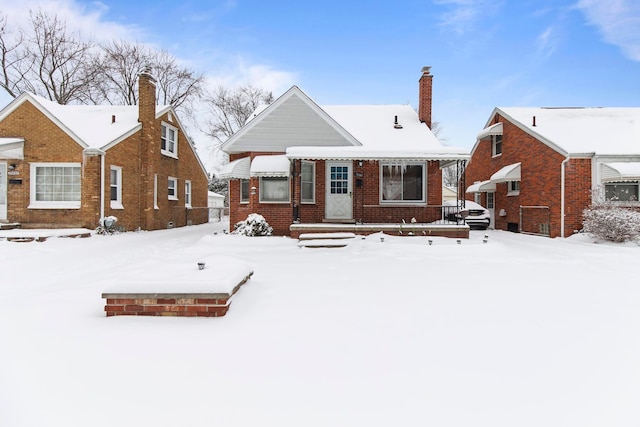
x=620 y=171
x=237 y=169
x=12 y=148
x=507 y=173
x=491 y=130
x=276 y=166
x=482 y=187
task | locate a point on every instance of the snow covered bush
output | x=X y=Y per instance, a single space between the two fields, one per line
x=107 y=225
x=254 y=225
x=607 y=220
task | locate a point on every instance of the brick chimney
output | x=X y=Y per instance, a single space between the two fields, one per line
x=425 y=94
x=149 y=148
x=146 y=96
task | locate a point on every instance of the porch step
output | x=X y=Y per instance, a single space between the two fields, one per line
x=325 y=240
x=9 y=225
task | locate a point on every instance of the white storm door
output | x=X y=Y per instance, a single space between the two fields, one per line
x=491 y=204
x=339 y=204
x=3 y=191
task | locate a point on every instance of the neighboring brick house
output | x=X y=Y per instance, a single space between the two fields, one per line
x=72 y=165
x=298 y=163
x=535 y=169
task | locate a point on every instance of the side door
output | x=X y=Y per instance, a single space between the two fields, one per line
x=491 y=205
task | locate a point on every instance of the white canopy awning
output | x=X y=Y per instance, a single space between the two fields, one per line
x=482 y=187
x=620 y=171
x=12 y=148
x=237 y=169
x=507 y=173
x=491 y=130
x=278 y=165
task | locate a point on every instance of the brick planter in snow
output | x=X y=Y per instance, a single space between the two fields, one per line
x=180 y=289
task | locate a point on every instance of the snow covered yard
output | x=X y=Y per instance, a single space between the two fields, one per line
x=521 y=331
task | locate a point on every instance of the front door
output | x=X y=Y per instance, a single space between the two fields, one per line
x=339 y=204
x=3 y=191
x=491 y=204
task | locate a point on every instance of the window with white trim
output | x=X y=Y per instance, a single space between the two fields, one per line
x=621 y=191
x=403 y=182
x=496 y=145
x=173 y=188
x=115 y=187
x=513 y=188
x=274 y=189
x=477 y=197
x=491 y=200
x=187 y=193
x=169 y=140
x=244 y=191
x=55 y=185
x=308 y=182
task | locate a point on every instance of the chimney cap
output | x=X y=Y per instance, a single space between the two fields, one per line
x=426 y=70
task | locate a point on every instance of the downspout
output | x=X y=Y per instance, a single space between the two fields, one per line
x=102 y=187
x=562 y=195
x=295 y=214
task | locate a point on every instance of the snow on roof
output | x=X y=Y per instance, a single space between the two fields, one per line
x=374 y=126
x=361 y=132
x=93 y=125
x=385 y=131
x=582 y=130
x=277 y=165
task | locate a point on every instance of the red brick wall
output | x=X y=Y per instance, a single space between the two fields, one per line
x=540 y=174
x=366 y=199
x=577 y=193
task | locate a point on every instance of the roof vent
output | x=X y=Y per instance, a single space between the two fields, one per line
x=534 y=121
x=113 y=118
x=396 y=125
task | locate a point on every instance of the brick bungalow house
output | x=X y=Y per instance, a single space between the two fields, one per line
x=71 y=165
x=535 y=169
x=306 y=167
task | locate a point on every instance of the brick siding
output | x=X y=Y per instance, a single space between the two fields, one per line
x=140 y=159
x=540 y=180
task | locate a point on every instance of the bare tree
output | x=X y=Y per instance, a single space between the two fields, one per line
x=121 y=65
x=177 y=86
x=62 y=64
x=228 y=110
x=47 y=59
x=13 y=59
